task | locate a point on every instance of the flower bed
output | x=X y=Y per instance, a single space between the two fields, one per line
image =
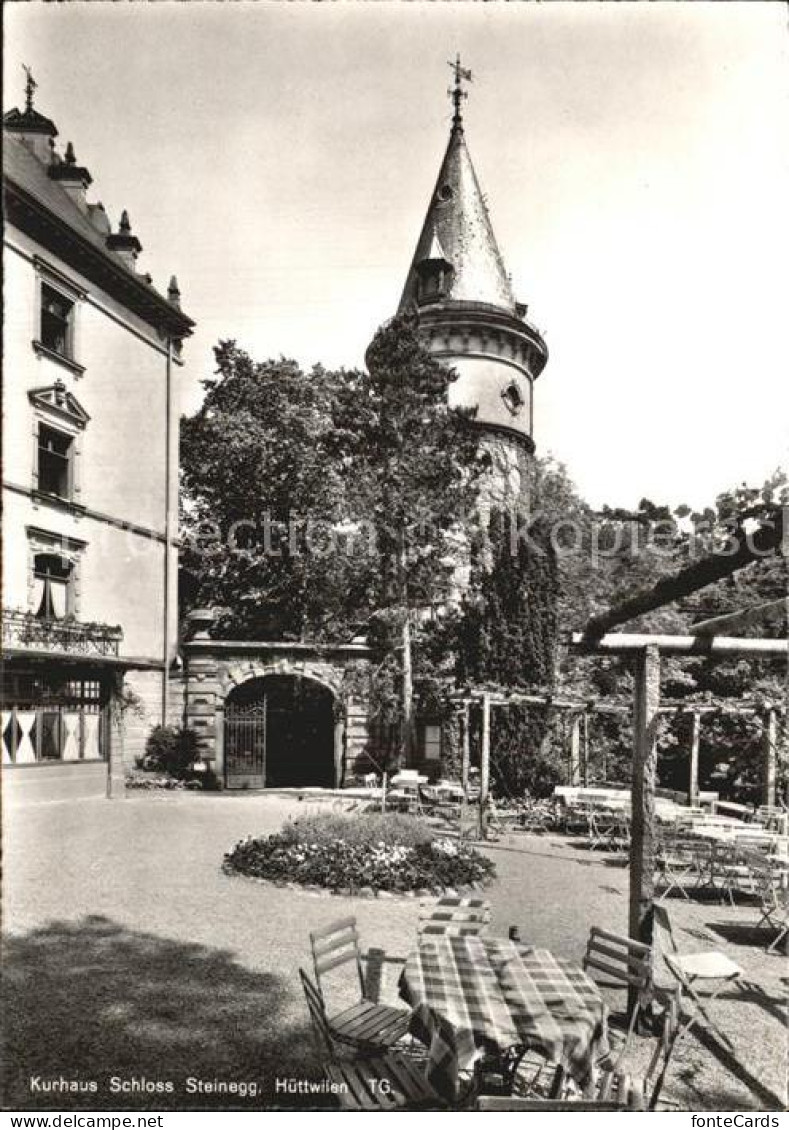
x=352 y=853
x=148 y=781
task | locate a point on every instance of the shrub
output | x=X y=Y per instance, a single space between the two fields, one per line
x=353 y=852
x=171 y=750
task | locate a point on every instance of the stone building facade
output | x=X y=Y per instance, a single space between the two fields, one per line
x=90 y=469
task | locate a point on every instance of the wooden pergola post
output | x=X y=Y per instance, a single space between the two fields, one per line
x=465 y=749
x=484 y=768
x=575 y=749
x=585 y=749
x=769 y=757
x=642 y=847
x=693 y=781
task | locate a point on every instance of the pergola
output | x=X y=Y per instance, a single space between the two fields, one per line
x=646 y=651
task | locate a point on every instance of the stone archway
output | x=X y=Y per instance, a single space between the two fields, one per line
x=217 y=669
x=280 y=731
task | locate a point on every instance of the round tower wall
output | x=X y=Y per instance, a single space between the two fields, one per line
x=501 y=392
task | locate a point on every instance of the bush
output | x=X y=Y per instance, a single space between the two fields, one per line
x=171 y=750
x=385 y=852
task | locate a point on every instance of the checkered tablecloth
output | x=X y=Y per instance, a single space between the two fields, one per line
x=473 y=994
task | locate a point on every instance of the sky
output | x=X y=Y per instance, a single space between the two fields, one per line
x=279 y=159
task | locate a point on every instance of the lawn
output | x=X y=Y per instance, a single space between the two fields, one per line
x=130 y=956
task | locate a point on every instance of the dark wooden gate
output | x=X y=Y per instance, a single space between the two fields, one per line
x=245 y=745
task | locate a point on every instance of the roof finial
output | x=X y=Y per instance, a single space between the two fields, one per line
x=30 y=86
x=174 y=293
x=457 y=93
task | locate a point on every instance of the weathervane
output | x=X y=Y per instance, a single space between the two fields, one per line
x=457 y=93
x=30 y=86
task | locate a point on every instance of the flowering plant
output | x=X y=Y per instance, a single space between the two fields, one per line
x=348 y=863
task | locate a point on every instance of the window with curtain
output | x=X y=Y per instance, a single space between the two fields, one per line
x=51 y=579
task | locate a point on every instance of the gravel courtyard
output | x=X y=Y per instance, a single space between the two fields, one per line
x=137 y=975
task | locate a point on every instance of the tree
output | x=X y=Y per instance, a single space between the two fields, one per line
x=266 y=508
x=412 y=464
x=325 y=504
x=506 y=635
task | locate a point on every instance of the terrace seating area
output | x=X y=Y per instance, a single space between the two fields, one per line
x=492 y=1023
x=726 y=852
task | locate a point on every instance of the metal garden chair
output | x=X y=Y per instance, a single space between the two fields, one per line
x=691 y=968
x=364 y=1024
x=378 y=1083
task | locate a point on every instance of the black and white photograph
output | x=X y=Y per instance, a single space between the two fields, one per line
x=394 y=590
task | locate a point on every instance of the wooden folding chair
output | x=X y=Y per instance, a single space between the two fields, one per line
x=770 y=885
x=383 y=1082
x=690 y=968
x=618 y=1089
x=365 y=1024
x=618 y=961
x=455 y=916
x=604 y=829
x=679 y=864
x=730 y=870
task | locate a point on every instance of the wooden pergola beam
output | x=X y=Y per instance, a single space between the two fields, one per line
x=484 y=768
x=749 y=546
x=643 y=839
x=745 y=618
x=617 y=643
x=693 y=773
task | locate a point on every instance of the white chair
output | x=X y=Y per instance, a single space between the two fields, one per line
x=692 y=968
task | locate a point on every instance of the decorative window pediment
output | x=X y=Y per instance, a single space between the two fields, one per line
x=56 y=400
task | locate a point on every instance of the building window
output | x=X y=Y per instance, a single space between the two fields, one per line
x=431 y=743
x=52 y=576
x=57 y=322
x=55 y=453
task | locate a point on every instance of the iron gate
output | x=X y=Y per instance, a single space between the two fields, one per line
x=245 y=745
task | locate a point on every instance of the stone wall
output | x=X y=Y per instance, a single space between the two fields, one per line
x=213 y=671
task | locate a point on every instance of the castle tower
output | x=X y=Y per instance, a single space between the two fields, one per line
x=469 y=318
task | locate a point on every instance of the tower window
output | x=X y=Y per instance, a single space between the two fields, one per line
x=513 y=398
x=434 y=280
x=52 y=577
x=57 y=321
x=54 y=461
x=445 y=193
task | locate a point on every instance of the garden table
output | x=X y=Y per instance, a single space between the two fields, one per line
x=471 y=995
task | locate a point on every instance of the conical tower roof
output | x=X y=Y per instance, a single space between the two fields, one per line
x=457 y=221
